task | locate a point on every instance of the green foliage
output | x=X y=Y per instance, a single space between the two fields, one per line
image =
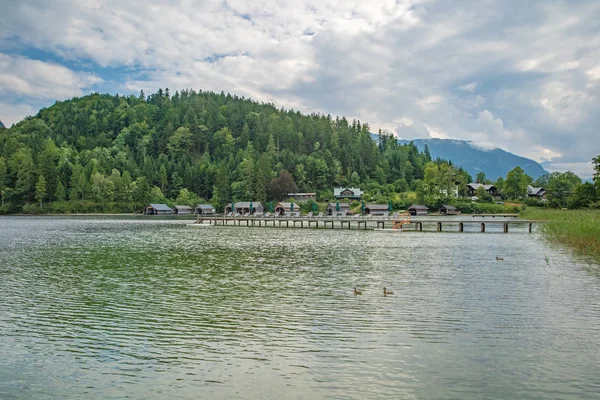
x=515 y=185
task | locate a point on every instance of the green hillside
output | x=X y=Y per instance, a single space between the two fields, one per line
x=113 y=153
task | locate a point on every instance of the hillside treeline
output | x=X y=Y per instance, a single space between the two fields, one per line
x=116 y=154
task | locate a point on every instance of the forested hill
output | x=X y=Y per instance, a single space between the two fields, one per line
x=114 y=153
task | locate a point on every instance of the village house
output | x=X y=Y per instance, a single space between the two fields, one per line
x=158 y=209
x=536 y=192
x=347 y=193
x=472 y=189
x=205 y=209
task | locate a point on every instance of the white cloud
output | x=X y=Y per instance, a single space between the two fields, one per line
x=522 y=78
x=37 y=79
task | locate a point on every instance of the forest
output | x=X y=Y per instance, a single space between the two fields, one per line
x=110 y=153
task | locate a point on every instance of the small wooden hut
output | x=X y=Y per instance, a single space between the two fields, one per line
x=204 y=209
x=158 y=209
x=243 y=207
x=376 y=209
x=182 y=210
x=285 y=207
x=418 y=210
x=448 y=209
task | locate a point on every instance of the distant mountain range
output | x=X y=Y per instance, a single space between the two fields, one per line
x=494 y=163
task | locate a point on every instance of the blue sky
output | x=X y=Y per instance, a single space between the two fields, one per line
x=523 y=76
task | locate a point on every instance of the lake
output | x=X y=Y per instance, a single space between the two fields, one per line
x=130 y=308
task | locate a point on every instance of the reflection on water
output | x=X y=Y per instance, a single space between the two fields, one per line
x=115 y=308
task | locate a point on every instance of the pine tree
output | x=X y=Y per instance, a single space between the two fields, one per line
x=60 y=193
x=40 y=190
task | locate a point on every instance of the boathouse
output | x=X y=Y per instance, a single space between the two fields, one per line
x=337 y=207
x=182 y=210
x=282 y=207
x=158 y=209
x=376 y=209
x=448 y=209
x=418 y=210
x=243 y=207
x=347 y=193
x=204 y=209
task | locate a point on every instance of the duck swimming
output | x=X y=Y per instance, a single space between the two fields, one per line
x=499 y=258
x=386 y=292
x=356 y=291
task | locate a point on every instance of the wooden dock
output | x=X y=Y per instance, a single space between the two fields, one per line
x=366 y=223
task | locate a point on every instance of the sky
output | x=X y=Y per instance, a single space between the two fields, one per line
x=520 y=75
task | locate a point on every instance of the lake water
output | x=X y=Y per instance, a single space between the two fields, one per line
x=108 y=308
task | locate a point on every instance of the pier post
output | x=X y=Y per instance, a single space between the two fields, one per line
x=506 y=227
x=482 y=227
x=530 y=227
x=439 y=226
x=461 y=227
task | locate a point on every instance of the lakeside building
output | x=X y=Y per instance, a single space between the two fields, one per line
x=243 y=207
x=158 y=209
x=376 y=209
x=337 y=207
x=302 y=196
x=448 y=209
x=418 y=210
x=286 y=207
x=205 y=209
x=347 y=193
x=182 y=210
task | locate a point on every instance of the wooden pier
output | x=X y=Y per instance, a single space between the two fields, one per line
x=367 y=223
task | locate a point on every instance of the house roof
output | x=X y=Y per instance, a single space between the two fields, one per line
x=418 y=207
x=205 y=207
x=337 y=192
x=449 y=207
x=184 y=208
x=535 y=191
x=161 y=207
x=476 y=186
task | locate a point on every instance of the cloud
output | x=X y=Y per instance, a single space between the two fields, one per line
x=520 y=76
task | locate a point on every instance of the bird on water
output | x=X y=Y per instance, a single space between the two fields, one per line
x=356 y=291
x=499 y=258
x=386 y=292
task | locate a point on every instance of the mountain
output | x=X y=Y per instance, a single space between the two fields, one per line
x=495 y=163
x=2 y=125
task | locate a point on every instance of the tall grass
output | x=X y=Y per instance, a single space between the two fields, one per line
x=579 y=229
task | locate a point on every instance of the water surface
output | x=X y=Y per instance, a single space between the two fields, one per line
x=108 y=308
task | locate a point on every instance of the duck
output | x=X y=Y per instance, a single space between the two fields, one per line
x=356 y=291
x=499 y=258
x=386 y=292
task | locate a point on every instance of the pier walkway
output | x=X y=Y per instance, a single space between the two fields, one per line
x=429 y=224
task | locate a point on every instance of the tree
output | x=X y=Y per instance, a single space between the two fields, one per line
x=583 y=196
x=282 y=185
x=427 y=153
x=560 y=186
x=40 y=190
x=180 y=142
x=221 y=190
x=22 y=162
x=60 y=193
x=515 y=185
x=78 y=182
x=3 y=178
x=481 y=178
x=103 y=189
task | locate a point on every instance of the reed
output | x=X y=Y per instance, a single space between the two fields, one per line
x=579 y=229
